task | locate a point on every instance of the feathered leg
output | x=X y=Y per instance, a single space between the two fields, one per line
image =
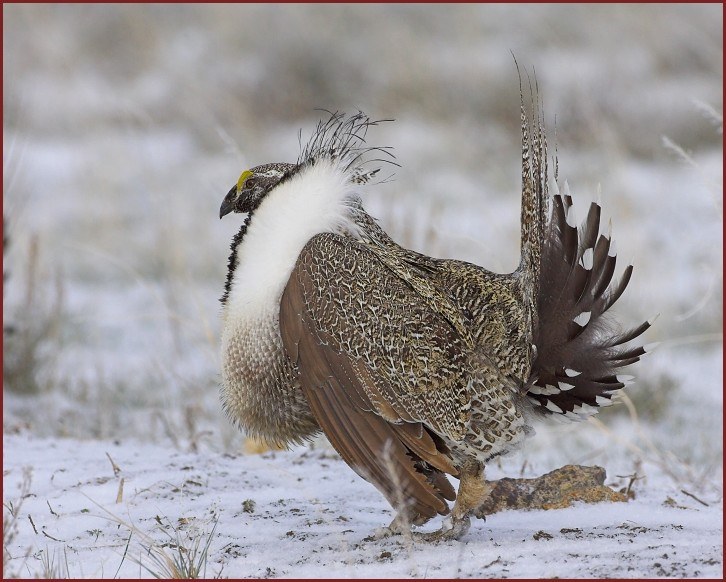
x=473 y=490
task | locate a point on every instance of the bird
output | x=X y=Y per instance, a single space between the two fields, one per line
x=413 y=367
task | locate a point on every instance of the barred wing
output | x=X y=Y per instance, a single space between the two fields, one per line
x=384 y=374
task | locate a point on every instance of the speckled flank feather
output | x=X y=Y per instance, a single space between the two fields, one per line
x=373 y=350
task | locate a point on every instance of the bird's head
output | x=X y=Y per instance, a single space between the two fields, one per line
x=340 y=138
x=253 y=185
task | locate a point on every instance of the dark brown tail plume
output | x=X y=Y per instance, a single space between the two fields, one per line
x=578 y=349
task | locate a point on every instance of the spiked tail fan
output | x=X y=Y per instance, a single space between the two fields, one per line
x=578 y=351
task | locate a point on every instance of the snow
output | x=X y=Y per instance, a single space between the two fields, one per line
x=311 y=514
x=125 y=125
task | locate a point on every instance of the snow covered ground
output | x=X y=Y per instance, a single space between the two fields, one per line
x=123 y=127
x=305 y=514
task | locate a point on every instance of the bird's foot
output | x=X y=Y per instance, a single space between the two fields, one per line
x=452 y=529
x=397 y=527
x=479 y=514
x=381 y=533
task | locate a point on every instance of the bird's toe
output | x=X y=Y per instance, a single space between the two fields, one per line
x=451 y=529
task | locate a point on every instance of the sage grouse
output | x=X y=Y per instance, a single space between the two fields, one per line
x=413 y=367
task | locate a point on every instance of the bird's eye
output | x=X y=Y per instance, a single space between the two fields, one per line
x=250 y=183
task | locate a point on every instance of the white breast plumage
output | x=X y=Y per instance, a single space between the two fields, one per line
x=314 y=200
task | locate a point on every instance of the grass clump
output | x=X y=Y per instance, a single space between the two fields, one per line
x=29 y=330
x=11 y=513
x=183 y=556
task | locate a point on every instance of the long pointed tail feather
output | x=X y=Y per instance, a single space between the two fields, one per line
x=535 y=195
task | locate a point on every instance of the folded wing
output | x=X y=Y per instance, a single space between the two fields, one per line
x=385 y=375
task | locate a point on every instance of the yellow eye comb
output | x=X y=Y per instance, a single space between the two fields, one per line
x=242 y=179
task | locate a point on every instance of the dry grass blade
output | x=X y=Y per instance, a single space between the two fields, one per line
x=53 y=568
x=26 y=360
x=676 y=469
x=184 y=556
x=11 y=511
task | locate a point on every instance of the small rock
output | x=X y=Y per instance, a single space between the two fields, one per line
x=555 y=490
x=542 y=535
x=670 y=502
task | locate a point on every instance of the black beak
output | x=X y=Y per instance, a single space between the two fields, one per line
x=228 y=202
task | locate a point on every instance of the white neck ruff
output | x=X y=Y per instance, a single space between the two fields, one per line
x=313 y=201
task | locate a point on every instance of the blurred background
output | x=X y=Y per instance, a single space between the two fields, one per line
x=124 y=126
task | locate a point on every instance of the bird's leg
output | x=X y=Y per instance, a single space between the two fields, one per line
x=473 y=489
